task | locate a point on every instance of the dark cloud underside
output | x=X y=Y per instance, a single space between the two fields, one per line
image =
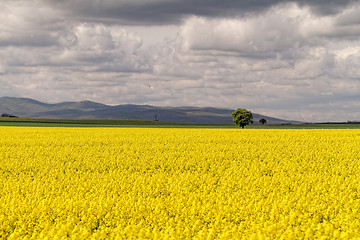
x=173 y=11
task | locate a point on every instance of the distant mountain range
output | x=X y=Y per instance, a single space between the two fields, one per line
x=30 y=108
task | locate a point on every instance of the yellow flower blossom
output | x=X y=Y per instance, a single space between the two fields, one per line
x=151 y=183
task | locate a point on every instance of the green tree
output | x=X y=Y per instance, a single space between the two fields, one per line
x=242 y=117
x=262 y=121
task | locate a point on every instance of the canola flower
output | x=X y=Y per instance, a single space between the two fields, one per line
x=139 y=183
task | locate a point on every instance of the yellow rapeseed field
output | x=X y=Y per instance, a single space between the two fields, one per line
x=130 y=183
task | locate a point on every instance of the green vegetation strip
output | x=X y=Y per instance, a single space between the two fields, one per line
x=40 y=122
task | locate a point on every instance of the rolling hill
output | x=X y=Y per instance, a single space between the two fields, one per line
x=30 y=108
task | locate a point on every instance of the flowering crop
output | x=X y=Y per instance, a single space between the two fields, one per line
x=119 y=183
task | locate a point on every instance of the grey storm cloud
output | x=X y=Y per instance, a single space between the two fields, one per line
x=148 y=12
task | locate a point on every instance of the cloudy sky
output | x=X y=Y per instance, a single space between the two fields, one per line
x=289 y=59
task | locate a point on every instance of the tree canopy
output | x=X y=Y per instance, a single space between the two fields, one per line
x=242 y=117
x=262 y=121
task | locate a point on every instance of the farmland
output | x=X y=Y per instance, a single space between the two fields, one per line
x=43 y=122
x=123 y=183
x=133 y=123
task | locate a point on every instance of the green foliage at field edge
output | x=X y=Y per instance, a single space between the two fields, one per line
x=40 y=122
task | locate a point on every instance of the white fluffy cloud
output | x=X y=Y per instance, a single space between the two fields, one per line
x=104 y=48
x=284 y=27
x=275 y=31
